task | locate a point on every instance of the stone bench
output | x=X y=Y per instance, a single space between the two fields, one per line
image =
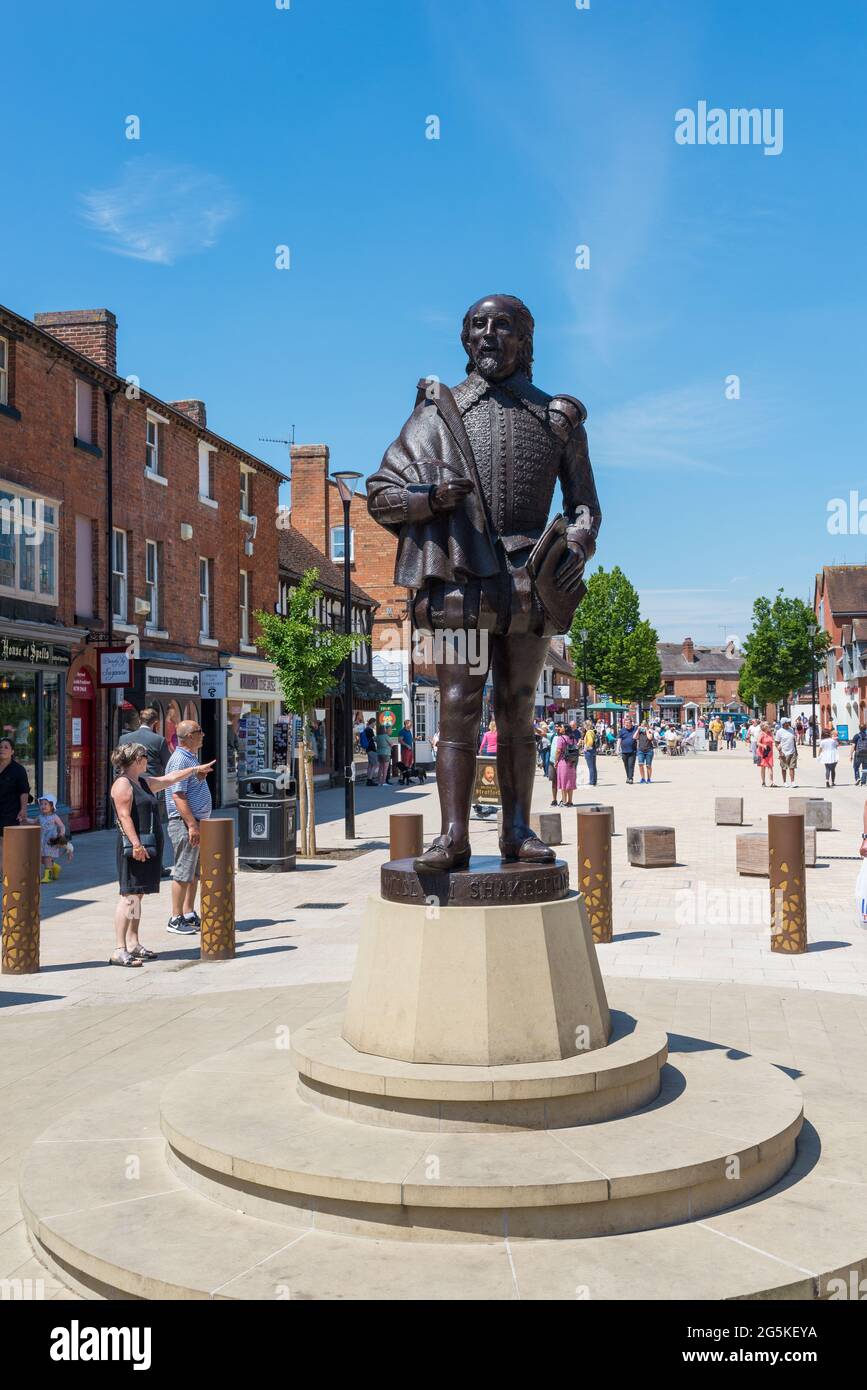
x=651 y=846
x=597 y=806
x=546 y=824
x=752 y=855
x=815 y=810
x=729 y=810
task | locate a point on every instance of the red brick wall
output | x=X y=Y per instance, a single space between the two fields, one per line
x=90 y=331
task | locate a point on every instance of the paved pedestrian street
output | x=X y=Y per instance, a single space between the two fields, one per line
x=691 y=951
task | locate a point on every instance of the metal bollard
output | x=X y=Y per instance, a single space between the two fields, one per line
x=21 y=857
x=218 y=889
x=594 y=870
x=788 y=883
x=406 y=834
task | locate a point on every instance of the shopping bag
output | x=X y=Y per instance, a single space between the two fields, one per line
x=861 y=894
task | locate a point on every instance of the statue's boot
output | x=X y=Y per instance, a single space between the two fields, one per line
x=456 y=767
x=516 y=766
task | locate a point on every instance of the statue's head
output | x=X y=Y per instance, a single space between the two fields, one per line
x=498 y=336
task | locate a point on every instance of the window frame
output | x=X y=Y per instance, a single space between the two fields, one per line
x=152 y=448
x=336 y=531
x=244 y=607
x=245 y=498
x=152 y=586
x=49 y=599
x=206 y=611
x=122 y=575
x=4 y=370
x=85 y=436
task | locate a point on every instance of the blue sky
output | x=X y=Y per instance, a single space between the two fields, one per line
x=305 y=127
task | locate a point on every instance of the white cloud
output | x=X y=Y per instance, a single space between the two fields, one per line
x=693 y=427
x=159 y=212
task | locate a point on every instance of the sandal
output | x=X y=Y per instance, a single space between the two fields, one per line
x=120 y=957
x=140 y=952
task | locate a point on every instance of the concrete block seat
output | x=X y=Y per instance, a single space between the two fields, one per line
x=753 y=857
x=651 y=846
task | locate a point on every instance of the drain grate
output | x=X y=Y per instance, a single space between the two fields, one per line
x=321 y=907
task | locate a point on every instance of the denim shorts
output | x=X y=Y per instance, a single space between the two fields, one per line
x=646 y=758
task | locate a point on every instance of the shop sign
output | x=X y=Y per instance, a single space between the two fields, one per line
x=561 y=692
x=165 y=680
x=82 y=684
x=35 y=653
x=486 y=791
x=247 y=681
x=113 y=666
x=214 y=684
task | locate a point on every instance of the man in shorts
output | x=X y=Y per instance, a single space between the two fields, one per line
x=188 y=803
x=787 y=749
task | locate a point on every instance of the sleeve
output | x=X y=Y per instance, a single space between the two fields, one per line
x=394 y=494
x=580 y=499
x=164 y=755
x=23 y=780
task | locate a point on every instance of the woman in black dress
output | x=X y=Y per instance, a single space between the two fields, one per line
x=14 y=790
x=137 y=812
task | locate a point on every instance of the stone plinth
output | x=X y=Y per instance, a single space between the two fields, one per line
x=651 y=846
x=546 y=824
x=729 y=810
x=487 y=880
x=815 y=810
x=480 y=985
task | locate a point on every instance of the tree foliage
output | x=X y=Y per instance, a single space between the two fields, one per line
x=306 y=657
x=780 y=650
x=622 y=659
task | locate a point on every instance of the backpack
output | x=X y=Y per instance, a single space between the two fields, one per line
x=572 y=752
x=368 y=739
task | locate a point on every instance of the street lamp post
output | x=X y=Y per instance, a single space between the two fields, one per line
x=346 y=482
x=583 y=634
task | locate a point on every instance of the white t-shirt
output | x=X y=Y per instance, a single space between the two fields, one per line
x=786 y=741
x=829 y=750
x=755 y=734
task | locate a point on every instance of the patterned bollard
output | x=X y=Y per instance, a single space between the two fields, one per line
x=218 y=889
x=406 y=834
x=21 y=861
x=594 y=870
x=788 y=883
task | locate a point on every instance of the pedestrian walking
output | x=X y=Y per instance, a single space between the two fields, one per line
x=730 y=731
x=755 y=733
x=787 y=749
x=14 y=790
x=628 y=747
x=139 y=843
x=828 y=754
x=765 y=753
x=406 y=740
x=383 y=756
x=556 y=746
x=488 y=744
x=859 y=756
x=544 y=747
x=590 y=744
x=53 y=838
x=568 y=753
x=188 y=803
x=367 y=742
x=645 y=745
x=715 y=730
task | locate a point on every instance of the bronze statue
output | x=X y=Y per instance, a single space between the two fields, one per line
x=467 y=488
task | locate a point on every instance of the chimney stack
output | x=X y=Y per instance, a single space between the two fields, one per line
x=311 y=493
x=92 y=332
x=194 y=410
x=688 y=649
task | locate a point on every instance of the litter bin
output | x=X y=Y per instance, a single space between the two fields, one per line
x=267 y=821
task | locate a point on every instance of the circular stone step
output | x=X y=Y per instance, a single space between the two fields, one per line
x=720 y=1131
x=591 y=1086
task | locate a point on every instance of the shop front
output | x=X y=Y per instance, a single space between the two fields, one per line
x=33 y=672
x=251 y=717
x=173 y=690
x=82 y=742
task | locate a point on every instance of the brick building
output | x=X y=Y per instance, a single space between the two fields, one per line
x=840 y=605
x=297 y=554
x=697 y=680
x=146 y=536
x=317 y=513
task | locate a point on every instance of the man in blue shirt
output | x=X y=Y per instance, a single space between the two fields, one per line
x=187 y=803
x=628 y=746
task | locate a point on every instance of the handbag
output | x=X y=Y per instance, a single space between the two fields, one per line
x=148 y=842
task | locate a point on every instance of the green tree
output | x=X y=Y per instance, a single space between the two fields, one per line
x=780 y=650
x=622 y=659
x=306 y=657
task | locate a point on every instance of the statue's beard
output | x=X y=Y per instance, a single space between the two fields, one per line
x=488 y=364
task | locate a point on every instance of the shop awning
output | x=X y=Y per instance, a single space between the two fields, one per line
x=609 y=707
